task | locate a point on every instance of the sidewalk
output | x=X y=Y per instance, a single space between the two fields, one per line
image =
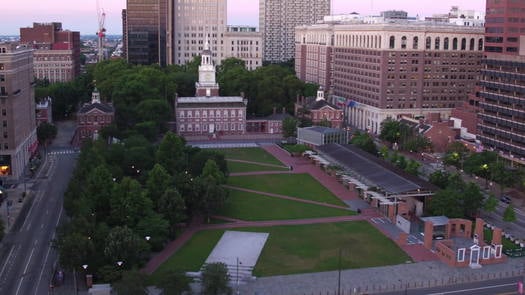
x=380 y=279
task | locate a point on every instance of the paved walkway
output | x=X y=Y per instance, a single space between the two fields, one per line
x=256 y=163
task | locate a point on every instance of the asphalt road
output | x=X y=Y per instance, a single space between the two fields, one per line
x=505 y=286
x=27 y=256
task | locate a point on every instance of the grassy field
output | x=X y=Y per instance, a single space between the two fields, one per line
x=295 y=185
x=300 y=249
x=247 y=206
x=238 y=167
x=250 y=154
x=192 y=255
x=316 y=247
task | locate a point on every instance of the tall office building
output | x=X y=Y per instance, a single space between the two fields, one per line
x=244 y=43
x=391 y=69
x=277 y=22
x=194 y=23
x=146 y=26
x=502 y=81
x=57 y=52
x=18 y=139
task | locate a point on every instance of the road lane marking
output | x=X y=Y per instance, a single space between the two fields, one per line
x=473 y=289
x=42 y=270
x=30 y=211
x=6 y=261
x=25 y=270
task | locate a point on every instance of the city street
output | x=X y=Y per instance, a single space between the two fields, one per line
x=26 y=257
x=505 y=286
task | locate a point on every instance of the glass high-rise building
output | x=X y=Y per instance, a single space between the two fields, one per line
x=501 y=93
x=146 y=26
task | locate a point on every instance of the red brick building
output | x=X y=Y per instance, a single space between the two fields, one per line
x=44 y=111
x=91 y=118
x=207 y=113
x=319 y=110
x=57 y=52
x=389 y=69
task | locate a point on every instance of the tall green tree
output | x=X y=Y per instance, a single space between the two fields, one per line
x=215 y=279
x=129 y=203
x=491 y=203
x=156 y=227
x=45 y=132
x=172 y=206
x=159 y=180
x=365 y=142
x=509 y=215
x=174 y=283
x=170 y=154
x=132 y=283
x=290 y=127
x=123 y=245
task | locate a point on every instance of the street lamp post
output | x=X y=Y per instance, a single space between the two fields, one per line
x=238 y=262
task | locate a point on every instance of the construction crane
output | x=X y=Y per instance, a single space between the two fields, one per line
x=101 y=33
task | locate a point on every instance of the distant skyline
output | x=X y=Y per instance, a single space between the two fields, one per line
x=82 y=15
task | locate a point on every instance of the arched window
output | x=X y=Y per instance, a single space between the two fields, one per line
x=437 y=43
x=472 y=45
x=392 y=42
x=455 y=44
x=428 y=43
x=404 y=42
x=463 y=44
x=415 y=42
x=480 y=44
x=445 y=43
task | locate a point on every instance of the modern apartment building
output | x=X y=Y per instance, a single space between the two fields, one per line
x=244 y=43
x=18 y=139
x=383 y=70
x=502 y=84
x=145 y=28
x=194 y=24
x=57 y=52
x=277 y=22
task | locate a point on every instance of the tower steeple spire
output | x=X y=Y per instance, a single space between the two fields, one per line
x=207 y=85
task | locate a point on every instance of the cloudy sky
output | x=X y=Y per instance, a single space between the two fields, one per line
x=81 y=15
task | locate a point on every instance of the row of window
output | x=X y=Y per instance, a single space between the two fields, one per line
x=211 y=114
x=456 y=43
x=92 y=118
x=211 y=128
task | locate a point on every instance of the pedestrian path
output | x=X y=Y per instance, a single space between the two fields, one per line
x=256 y=163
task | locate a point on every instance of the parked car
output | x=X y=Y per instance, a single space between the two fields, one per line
x=505 y=199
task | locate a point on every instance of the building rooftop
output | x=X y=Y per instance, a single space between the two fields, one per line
x=107 y=108
x=380 y=173
x=210 y=99
x=322 y=129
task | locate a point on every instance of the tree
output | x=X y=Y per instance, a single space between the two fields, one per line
x=156 y=227
x=455 y=154
x=390 y=130
x=172 y=206
x=503 y=176
x=171 y=154
x=74 y=249
x=440 y=178
x=472 y=199
x=491 y=203
x=45 y=132
x=97 y=189
x=132 y=283
x=509 y=215
x=122 y=244
x=174 y=283
x=290 y=127
x=208 y=195
x=365 y=142
x=159 y=180
x=215 y=279
x=446 y=202
x=128 y=203
x=212 y=170
x=412 y=167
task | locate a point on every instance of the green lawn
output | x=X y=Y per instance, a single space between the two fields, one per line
x=316 y=247
x=247 y=206
x=238 y=167
x=295 y=185
x=250 y=154
x=192 y=255
x=300 y=249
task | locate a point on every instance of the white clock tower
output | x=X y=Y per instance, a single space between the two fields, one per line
x=207 y=85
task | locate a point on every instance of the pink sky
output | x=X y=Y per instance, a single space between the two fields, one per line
x=81 y=15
